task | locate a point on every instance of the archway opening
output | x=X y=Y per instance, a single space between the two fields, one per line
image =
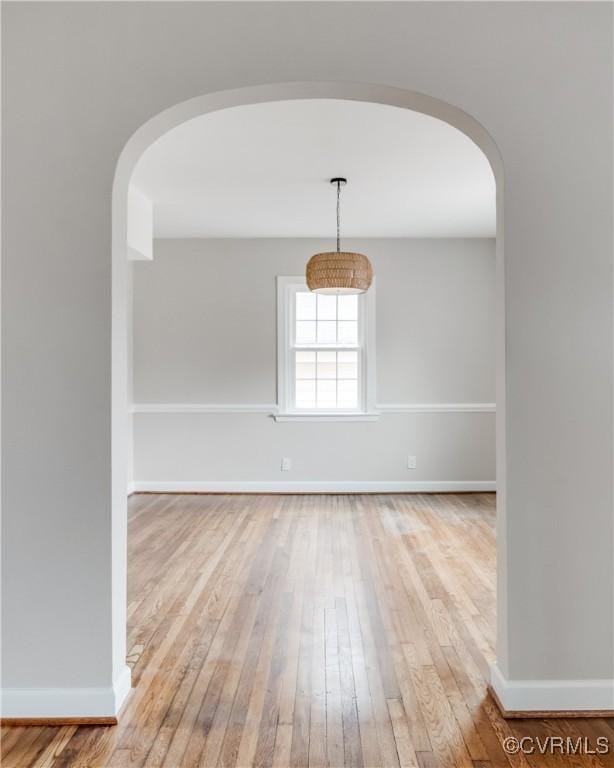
x=139 y=143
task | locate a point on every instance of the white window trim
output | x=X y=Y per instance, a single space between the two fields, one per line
x=286 y=287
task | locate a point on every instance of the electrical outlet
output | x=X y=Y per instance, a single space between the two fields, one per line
x=411 y=462
x=286 y=465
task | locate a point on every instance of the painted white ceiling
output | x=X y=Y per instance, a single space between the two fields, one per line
x=262 y=171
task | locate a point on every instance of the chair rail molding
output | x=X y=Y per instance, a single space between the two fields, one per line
x=203 y=408
x=272 y=408
x=437 y=407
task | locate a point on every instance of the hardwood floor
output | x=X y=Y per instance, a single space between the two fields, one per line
x=297 y=631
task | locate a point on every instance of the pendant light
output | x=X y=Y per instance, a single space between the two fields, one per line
x=339 y=271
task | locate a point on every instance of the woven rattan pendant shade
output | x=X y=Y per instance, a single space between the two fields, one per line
x=339 y=271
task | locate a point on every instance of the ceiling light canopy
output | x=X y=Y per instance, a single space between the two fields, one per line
x=339 y=271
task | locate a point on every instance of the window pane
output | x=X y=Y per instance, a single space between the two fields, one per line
x=347 y=365
x=327 y=393
x=327 y=365
x=324 y=376
x=348 y=332
x=305 y=394
x=305 y=331
x=348 y=307
x=327 y=331
x=305 y=365
x=305 y=305
x=327 y=307
x=347 y=393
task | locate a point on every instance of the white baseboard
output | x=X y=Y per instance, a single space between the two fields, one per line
x=122 y=687
x=309 y=486
x=552 y=695
x=131 y=487
x=49 y=703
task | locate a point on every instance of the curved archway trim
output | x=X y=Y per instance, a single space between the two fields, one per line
x=146 y=135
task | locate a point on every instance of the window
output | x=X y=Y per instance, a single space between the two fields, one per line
x=326 y=360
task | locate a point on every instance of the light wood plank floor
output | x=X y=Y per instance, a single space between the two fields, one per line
x=307 y=631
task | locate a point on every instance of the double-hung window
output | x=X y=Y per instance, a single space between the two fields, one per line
x=326 y=359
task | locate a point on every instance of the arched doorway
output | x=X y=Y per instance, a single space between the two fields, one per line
x=140 y=141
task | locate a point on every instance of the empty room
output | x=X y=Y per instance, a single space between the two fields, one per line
x=307 y=384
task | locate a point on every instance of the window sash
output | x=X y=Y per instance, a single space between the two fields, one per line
x=292 y=382
x=288 y=287
x=291 y=378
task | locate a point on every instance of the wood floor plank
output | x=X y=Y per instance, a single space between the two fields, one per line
x=308 y=632
x=402 y=735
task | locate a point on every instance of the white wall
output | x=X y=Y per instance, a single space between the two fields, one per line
x=139 y=234
x=205 y=333
x=80 y=78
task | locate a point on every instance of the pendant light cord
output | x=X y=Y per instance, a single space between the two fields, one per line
x=338 y=216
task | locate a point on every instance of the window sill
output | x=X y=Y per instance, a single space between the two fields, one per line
x=320 y=416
